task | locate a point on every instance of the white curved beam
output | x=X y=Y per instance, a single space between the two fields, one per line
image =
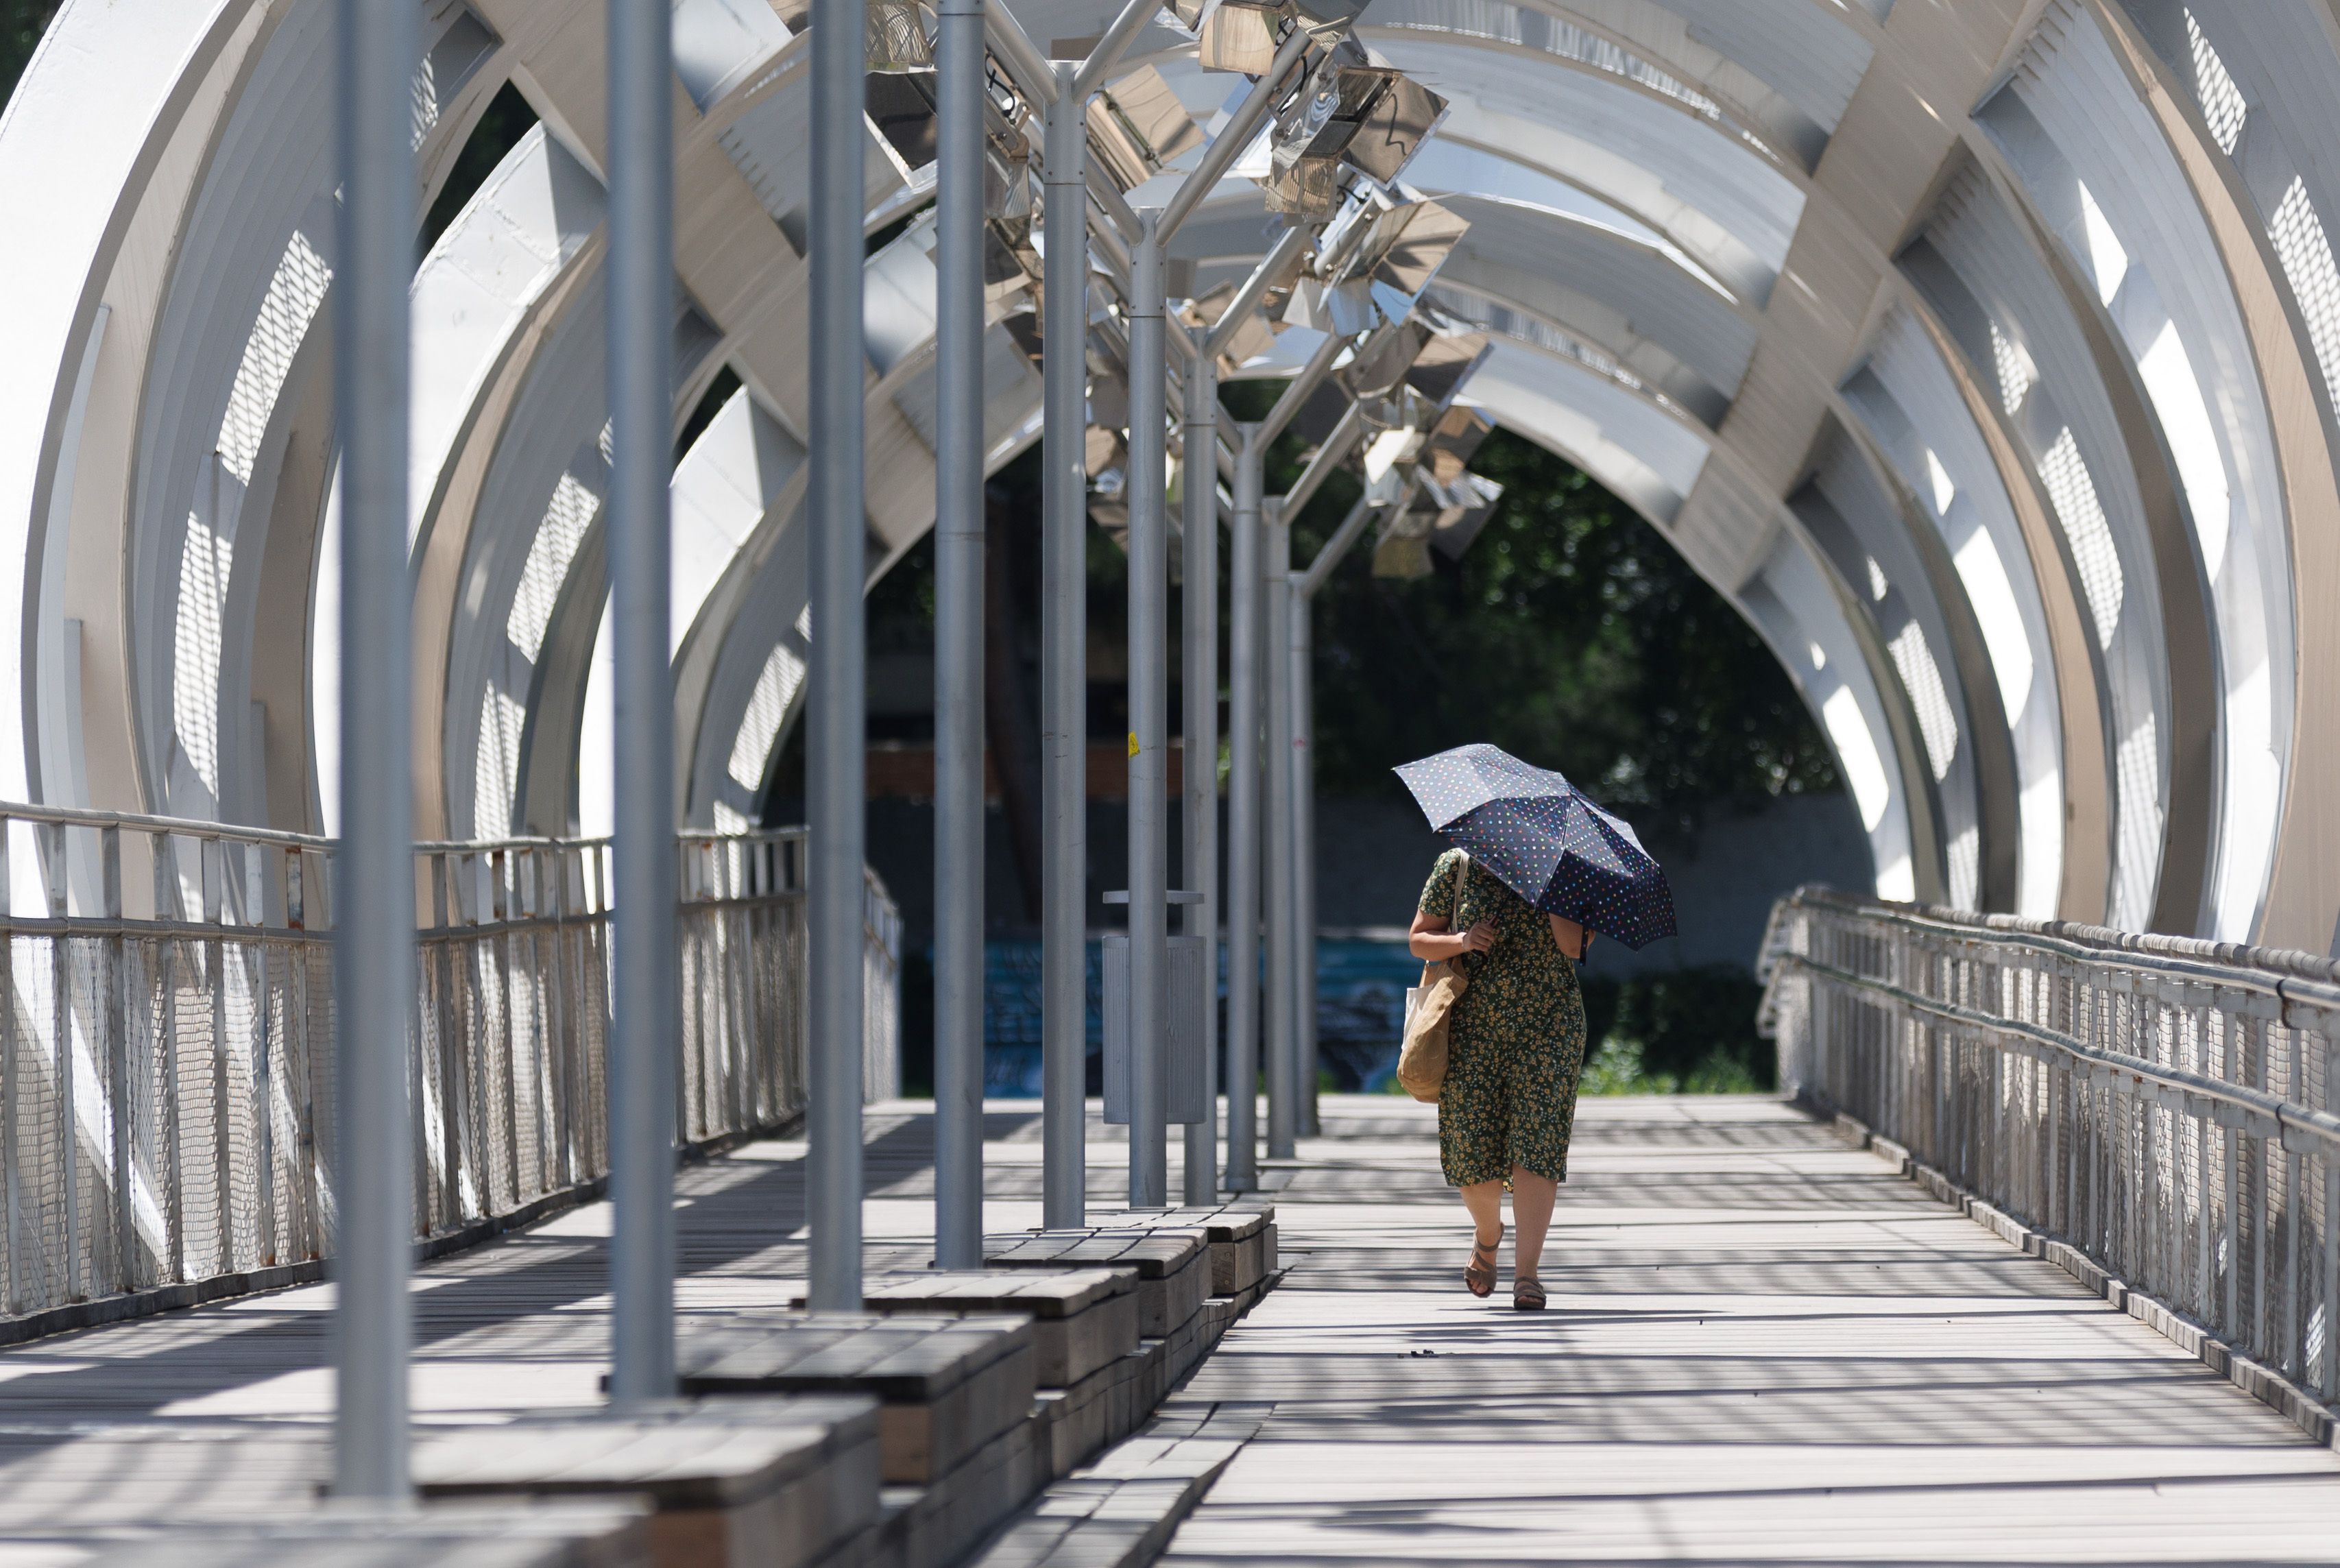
x=1734 y=251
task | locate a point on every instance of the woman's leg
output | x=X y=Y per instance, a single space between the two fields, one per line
x=1531 y=1200
x=1484 y=1199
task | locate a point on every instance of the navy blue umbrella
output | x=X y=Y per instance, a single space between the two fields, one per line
x=1538 y=833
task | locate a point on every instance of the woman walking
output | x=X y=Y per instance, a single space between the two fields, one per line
x=1515 y=1053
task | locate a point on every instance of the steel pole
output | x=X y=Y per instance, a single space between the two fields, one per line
x=958 y=636
x=1300 y=683
x=1243 y=819
x=645 y=998
x=373 y=937
x=1283 y=1046
x=1064 y=696
x=1149 y=736
x=1200 y=603
x=837 y=735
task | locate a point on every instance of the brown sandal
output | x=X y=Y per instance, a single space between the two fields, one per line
x=1479 y=1278
x=1527 y=1295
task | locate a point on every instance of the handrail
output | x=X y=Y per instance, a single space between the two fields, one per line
x=2221 y=960
x=201 y=827
x=2275 y=1115
x=201 y=1145
x=2166 y=1107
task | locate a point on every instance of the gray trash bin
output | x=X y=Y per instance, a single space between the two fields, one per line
x=1185 y=1101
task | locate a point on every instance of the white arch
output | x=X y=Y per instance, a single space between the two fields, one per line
x=1750 y=261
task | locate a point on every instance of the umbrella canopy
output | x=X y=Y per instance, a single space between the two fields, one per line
x=1536 y=832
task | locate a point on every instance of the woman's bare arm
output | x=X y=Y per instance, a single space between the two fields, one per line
x=1574 y=940
x=1432 y=941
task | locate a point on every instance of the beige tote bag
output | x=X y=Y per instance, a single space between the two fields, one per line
x=1421 y=1060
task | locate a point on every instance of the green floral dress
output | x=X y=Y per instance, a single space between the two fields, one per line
x=1515 y=1041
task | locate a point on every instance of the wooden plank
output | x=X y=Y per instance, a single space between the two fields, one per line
x=1763 y=1346
x=1081 y=1319
x=568 y=1534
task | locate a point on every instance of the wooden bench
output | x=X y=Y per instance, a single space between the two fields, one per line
x=770 y=1482
x=1173 y=1266
x=1082 y=1319
x=1242 y=1237
x=944 y=1386
x=613 y=1533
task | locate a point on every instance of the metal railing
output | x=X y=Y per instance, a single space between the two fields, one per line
x=166 y=1055
x=2164 y=1105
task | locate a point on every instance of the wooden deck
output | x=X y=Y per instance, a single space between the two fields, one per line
x=1764 y=1346
x=221 y=1413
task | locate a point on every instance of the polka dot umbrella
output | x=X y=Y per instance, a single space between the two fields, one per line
x=1536 y=832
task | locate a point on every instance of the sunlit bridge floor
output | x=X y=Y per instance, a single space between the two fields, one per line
x=1763 y=1346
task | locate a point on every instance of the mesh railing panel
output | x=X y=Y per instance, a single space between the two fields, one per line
x=166 y=1070
x=2164 y=1105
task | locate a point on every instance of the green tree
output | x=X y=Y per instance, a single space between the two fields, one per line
x=22 y=22
x=1570 y=634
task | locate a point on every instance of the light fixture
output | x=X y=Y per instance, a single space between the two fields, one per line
x=1108 y=399
x=1383 y=359
x=1445 y=363
x=1008 y=151
x=898 y=93
x=1344 y=310
x=1451 y=441
x=901 y=106
x=1402 y=549
x=1394 y=125
x=1241 y=34
x=1327 y=21
x=1348 y=112
x=1387 y=449
x=1448 y=516
x=1107 y=458
x=899 y=35
x=1011 y=263
x=1253 y=336
x=1138 y=126
x=1311 y=129
x=1402 y=250
x=1236 y=35
x=1459 y=510
x=1022 y=325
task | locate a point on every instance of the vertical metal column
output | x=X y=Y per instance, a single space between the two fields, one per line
x=1301 y=686
x=1243 y=819
x=645 y=1014
x=645 y=993
x=1149 y=734
x=1305 y=585
x=1200 y=604
x=1283 y=1046
x=837 y=897
x=1064 y=688
x=374 y=914
x=958 y=637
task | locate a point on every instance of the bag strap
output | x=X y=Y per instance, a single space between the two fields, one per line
x=1462 y=865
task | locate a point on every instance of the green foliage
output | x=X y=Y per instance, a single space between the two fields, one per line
x=1690 y=1031
x=1620 y=1069
x=507 y=118
x=22 y=22
x=1570 y=634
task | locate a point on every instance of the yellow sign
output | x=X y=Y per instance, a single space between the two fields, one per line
x=1133 y=743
